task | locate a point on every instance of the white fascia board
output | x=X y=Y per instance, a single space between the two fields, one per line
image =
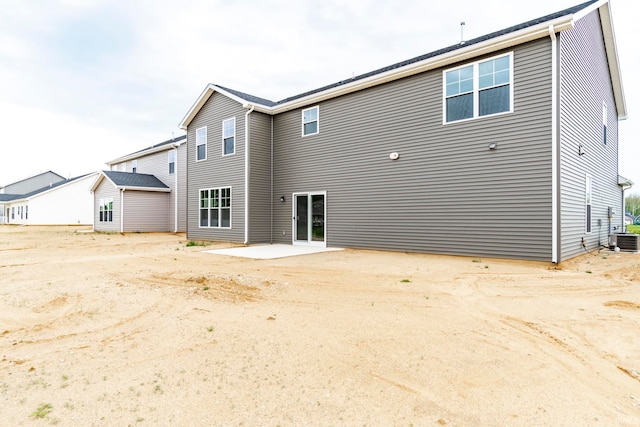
x=75 y=181
x=203 y=98
x=458 y=55
x=99 y=179
x=144 y=153
x=155 y=189
x=612 y=58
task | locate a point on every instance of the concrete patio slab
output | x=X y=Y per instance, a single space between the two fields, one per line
x=271 y=251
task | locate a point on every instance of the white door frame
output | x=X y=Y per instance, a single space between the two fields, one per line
x=309 y=241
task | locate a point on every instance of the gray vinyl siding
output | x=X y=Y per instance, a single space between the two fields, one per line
x=447 y=193
x=260 y=179
x=32 y=184
x=106 y=190
x=216 y=171
x=585 y=83
x=182 y=187
x=145 y=211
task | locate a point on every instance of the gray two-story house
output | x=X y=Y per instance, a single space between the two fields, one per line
x=144 y=191
x=502 y=146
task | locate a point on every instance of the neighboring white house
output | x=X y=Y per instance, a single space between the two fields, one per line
x=62 y=203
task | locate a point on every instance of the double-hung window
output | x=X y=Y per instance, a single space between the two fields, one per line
x=587 y=197
x=172 y=162
x=604 y=123
x=215 y=207
x=479 y=89
x=134 y=166
x=229 y=136
x=311 y=121
x=106 y=210
x=201 y=143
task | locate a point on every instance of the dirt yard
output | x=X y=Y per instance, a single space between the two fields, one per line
x=140 y=329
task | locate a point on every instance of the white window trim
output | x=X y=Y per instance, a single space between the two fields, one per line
x=169 y=153
x=317 y=107
x=476 y=90
x=605 y=128
x=219 y=208
x=588 y=190
x=234 y=136
x=205 y=144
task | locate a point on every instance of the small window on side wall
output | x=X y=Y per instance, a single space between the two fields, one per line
x=229 y=136
x=311 y=121
x=604 y=123
x=172 y=162
x=201 y=143
x=134 y=166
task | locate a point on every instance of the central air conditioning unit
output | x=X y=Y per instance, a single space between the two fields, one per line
x=627 y=242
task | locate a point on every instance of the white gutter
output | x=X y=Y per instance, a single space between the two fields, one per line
x=554 y=146
x=122 y=190
x=246 y=173
x=175 y=184
x=458 y=55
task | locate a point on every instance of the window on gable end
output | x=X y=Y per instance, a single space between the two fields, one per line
x=479 y=89
x=201 y=143
x=172 y=162
x=229 y=136
x=604 y=123
x=311 y=121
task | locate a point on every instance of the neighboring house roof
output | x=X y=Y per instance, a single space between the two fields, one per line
x=40 y=191
x=166 y=145
x=508 y=37
x=34 y=176
x=131 y=181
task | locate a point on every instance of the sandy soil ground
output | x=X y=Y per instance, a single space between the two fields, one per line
x=139 y=329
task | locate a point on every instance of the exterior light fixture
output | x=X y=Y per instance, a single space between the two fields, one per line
x=282 y=198
x=493 y=146
x=580 y=150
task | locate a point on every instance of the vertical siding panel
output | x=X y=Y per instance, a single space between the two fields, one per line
x=216 y=171
x=447 y=193
x=585 y=83
x=145 y=211
x=260 y=178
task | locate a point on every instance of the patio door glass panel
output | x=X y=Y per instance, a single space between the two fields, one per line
x=309 y=219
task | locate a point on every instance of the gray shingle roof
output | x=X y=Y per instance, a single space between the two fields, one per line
x=170 y=141
x=533 y=22
x=140 y=180
x=10 y=197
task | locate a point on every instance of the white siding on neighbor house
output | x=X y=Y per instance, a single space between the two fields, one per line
x=585 y=83
x=71 y=203
x=106 y=190
x=145 y=211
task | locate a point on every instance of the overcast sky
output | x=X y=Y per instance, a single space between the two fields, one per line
x=85 y=81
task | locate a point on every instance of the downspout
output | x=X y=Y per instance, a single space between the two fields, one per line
x=175 y=185
x=271 y=216
x=246 y=174
x=555 y=235
x=122 y=210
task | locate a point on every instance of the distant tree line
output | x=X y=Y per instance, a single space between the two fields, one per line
x=632 y=204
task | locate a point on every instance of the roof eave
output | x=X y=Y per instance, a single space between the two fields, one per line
x=204 y=97
x=133 y=188
x=606 y=21
x=459 y=55
x=147 y=152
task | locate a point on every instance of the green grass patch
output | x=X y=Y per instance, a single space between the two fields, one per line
x=633 y=229
x=42 y=410
x=194 y=243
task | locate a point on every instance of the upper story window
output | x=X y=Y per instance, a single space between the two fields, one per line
x=201 y=143
x=604 y=123
x=229 y=136
x=311 y=121
x=123 y=167
x=134 y=166
x=172 y=162
x=479 y=89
